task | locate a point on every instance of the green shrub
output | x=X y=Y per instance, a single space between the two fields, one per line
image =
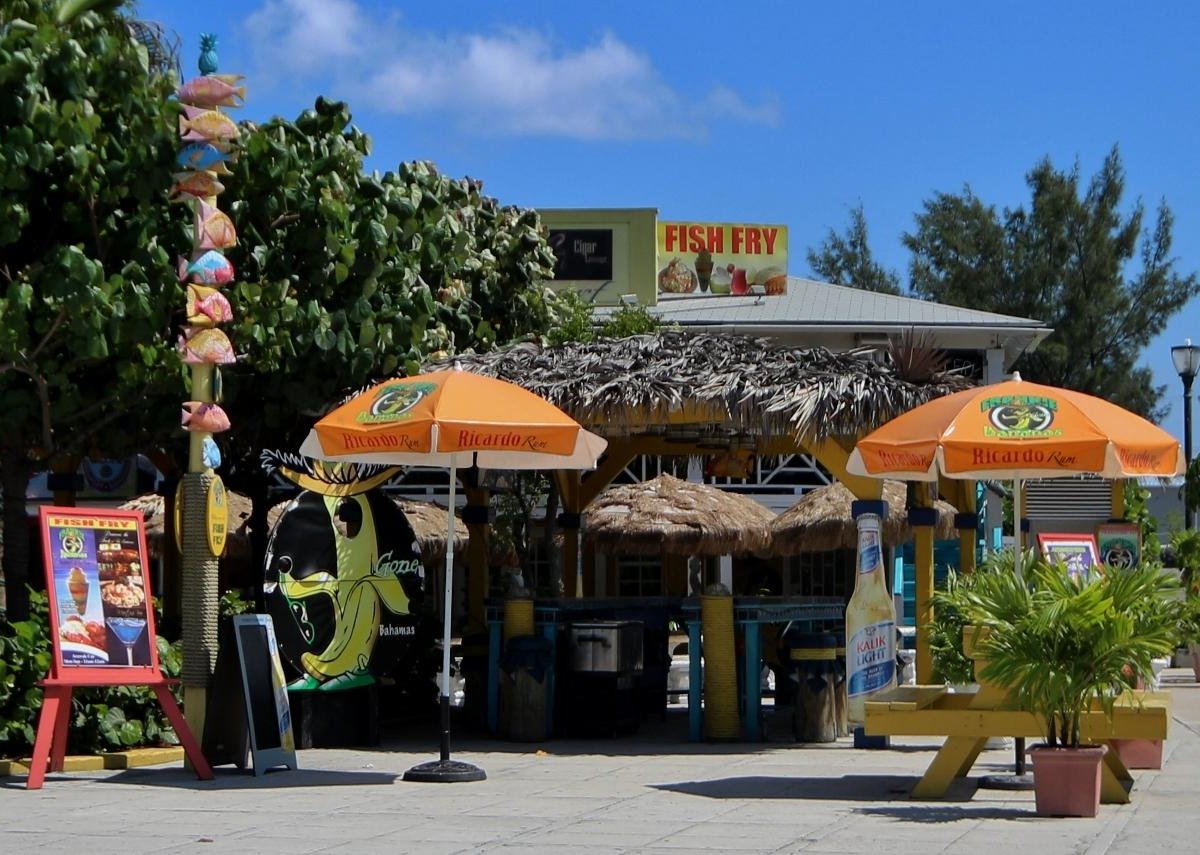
x=103 y=718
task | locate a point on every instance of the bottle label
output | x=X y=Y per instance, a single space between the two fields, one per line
x=870 y=551
x=871 y=658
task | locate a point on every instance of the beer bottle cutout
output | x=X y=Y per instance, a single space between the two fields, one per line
x=870 y=624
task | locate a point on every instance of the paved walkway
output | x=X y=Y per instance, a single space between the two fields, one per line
x=636 y=794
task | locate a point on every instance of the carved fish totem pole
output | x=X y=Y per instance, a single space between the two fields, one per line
x=209 y=137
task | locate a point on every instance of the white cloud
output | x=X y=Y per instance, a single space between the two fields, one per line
x=303 y=36
x=515 y=82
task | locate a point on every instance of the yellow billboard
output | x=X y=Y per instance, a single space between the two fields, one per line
x=721 y=258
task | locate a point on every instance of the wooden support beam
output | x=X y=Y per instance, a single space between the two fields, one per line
x=478 y=571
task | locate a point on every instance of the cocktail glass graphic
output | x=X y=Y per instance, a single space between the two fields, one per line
x=124 y=603
x=127 y=630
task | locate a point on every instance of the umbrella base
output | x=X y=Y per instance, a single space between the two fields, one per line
x=1006 y=782
x=444 y=772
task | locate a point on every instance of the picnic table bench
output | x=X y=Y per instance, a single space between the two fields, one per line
x=968 y=719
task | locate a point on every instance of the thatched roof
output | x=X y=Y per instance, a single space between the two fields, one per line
x=668 y=515
x=738 y=385
x=821 y=520
x=428 y=520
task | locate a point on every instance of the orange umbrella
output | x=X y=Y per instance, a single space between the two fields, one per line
x=452 y=418
x=1017 y=430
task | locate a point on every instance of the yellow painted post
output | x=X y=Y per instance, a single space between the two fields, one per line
x=1117 y=511
x=967 y=523
x=923 y=519
x=209 y=135
x=720 y=668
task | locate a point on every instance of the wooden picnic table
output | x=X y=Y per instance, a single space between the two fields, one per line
x=968 y=720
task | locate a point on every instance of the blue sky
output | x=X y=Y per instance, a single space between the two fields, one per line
x=788 y=113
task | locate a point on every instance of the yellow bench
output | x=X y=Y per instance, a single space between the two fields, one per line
x=967 y=720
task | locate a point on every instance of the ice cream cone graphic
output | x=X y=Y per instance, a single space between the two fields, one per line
x=77 y=585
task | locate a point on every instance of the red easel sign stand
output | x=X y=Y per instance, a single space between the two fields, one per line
x=101 y=625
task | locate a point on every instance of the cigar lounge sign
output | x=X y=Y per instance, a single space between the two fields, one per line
x=703 y=259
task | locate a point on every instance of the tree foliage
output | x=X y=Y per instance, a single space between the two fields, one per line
x=1071 y=259
x=86 y=150
x=346 y=277
x=846 y=259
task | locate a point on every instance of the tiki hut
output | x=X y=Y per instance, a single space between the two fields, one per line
x=666 y=515
x=821 y=521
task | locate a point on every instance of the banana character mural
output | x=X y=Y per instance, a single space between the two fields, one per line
x=343 y=575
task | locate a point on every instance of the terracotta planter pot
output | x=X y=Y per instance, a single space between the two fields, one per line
x=1066 y=781
x=1139 y=753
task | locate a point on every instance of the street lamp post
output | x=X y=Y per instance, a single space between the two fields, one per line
x=1186 y=357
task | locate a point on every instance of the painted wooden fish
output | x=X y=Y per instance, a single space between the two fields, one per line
x=205 y=156
x=206 y=347
x=213 y=228
x=212 y=90
x=203 y=416
x=210 y=454
x=201 y=185
x=197 y=124
x=207 y=307
x=212 y=268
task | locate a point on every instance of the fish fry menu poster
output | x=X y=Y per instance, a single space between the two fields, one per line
x=100 y=606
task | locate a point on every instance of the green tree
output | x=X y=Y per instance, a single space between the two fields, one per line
x=1066 y=261
x=87 y=143
x=846 y=259
x=346 y=277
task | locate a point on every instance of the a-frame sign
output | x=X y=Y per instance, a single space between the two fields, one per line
x=101 y=625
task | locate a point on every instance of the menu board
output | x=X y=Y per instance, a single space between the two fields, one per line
x=267 y=709
x=101 y=611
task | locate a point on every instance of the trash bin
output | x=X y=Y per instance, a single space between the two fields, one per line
x=814 y=662
x=526 y=662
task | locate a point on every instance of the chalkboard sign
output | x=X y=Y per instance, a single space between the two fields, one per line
x=267 y=711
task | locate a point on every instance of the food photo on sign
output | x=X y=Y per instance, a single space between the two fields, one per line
x=703 y=259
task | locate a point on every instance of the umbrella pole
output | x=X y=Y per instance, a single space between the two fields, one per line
x=447 y=601
x=445 y=770
x=1019 y=780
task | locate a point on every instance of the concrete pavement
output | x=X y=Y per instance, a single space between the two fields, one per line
x=649 y=793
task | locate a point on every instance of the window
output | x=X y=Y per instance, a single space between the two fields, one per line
x=639 y=576
x=820 y=574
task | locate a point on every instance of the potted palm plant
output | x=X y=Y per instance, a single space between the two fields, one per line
x=1065 y=647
